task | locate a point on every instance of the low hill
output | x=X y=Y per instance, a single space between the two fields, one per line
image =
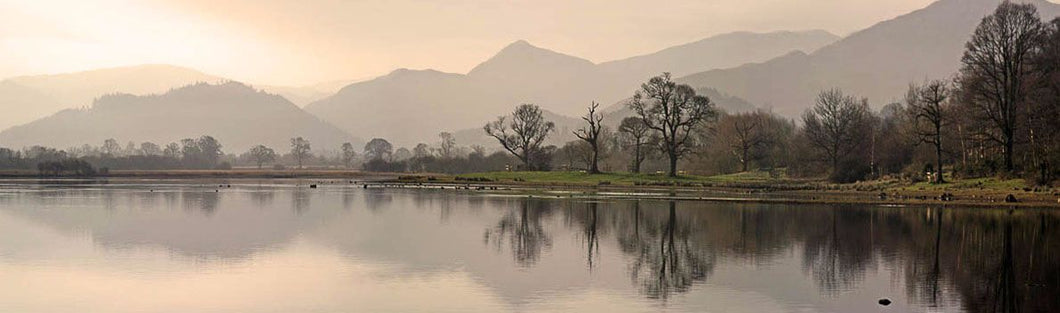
x=237 y=115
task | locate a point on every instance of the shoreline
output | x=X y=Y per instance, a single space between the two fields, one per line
x=793 y=192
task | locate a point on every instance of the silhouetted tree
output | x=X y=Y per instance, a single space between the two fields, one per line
x=448 y=146
x=590 y=133
x=378 y=149
x=523 y=134
x=635 y=136
x=110 y=148
x=837 y=126
x=744 y=132
x=926 y=106
x=300 y=148
x=348 y=154
x=996 y=71
x=150 y=149
x=262 y=154
x=674 y=111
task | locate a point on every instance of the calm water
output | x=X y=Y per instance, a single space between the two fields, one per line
x=172 y=246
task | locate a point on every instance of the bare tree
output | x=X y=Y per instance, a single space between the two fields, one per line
x=996 y=69
x=674 y=111
x=590 y=133
x=348 y=154
x=378 y=149
x=926 y=106
x=110 y=148
x=836 y=126
x=150 y=149
x=744 y=133
x=262 y=154
x=300 y=149
x=635 y=135
x=448 y=146
x=1044 y=137
x=523 y=134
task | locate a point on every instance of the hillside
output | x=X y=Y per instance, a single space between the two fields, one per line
x=878 y=62
x=27 y=98
x=409 y=106
x=235 y=114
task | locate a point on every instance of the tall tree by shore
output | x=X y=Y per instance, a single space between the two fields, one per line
x=523 y=134
x=674 y=111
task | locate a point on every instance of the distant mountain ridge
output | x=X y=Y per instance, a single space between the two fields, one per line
x=236 y=114
x=26 y=98
x=408 y=106
x=878 y=62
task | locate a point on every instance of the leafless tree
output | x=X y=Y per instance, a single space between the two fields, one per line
x=926 y=106
x=674 y=111
x=348 y=153
x=300 y=149
x=262 y=154
x=590 y=133
x=523 y=134
x=635 y=135
x=448 y=146
x=996 y=68
x=836 y=126
x=378 y=149
x=744 y=132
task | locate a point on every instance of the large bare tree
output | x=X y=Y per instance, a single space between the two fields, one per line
x=590 y=133
x=996 y=69
x=523 y=134
x=836 y=126
x=926 y=106
x=674 y=111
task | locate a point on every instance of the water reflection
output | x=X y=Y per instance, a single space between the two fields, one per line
x=521 y=229
x=530 y=252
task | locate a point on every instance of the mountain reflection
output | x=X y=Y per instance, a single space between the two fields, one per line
x=977 y=260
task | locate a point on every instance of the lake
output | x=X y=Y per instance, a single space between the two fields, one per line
x=280 y=246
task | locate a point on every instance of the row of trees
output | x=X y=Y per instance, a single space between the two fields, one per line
x=996 y=116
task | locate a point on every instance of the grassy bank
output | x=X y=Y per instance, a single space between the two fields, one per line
x=975 y=192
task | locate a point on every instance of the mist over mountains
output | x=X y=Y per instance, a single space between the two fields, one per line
x=433 y=101
x=236 y=114
x=781 y=71
x=878 y=62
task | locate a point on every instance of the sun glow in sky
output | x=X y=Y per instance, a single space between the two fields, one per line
x=304 y=42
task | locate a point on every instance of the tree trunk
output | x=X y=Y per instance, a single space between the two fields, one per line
x=594 y=166
x=938 y=154
x=743 y=160
x=673 y=164
x=1009 y=143
x=636 y=158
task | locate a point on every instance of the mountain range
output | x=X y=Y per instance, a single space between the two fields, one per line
x=877 y=63
x=236 y=114
x=409 y=105
x=779 y=71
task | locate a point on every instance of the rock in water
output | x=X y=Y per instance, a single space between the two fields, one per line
x=885 y=302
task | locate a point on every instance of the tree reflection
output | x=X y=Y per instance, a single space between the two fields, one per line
x=665 y=260
x=523 y=231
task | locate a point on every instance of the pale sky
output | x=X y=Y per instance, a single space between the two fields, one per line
x=303 y=42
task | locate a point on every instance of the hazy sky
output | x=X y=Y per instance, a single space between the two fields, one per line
x=307 y=41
